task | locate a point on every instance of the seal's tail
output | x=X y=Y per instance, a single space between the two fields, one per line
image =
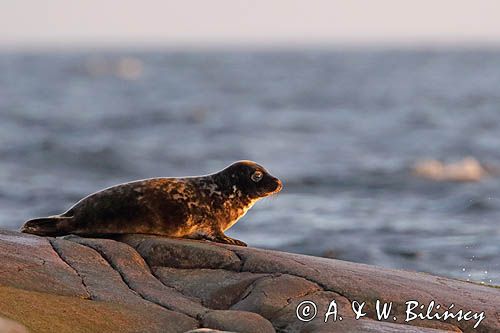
x=47 y=226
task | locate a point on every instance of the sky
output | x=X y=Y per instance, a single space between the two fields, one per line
x=63 y=23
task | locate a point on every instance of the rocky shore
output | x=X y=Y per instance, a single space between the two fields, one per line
x=142 y=283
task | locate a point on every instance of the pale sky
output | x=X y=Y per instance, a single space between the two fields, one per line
x=62 y=23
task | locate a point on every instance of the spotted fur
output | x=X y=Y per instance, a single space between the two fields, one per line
x=192 y=207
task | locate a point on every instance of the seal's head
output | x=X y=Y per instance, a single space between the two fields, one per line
x=251 y=179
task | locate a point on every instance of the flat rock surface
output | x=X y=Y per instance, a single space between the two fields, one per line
x=138 y=283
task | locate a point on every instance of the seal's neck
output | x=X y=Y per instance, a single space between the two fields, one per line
x=233 y=203
x=239 y=208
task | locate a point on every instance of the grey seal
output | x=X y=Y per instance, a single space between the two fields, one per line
x=201 y=207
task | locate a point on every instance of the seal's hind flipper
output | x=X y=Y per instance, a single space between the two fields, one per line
x=48 y=226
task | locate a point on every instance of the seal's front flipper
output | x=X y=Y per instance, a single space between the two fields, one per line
x=221 y=238
x=48 y=226
x=218 y=238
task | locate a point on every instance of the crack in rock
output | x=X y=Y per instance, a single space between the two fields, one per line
x=250 y=288
x=193 y=312
x=241 y=264
x=321 y=285
x=128 y=284
x=63 y=259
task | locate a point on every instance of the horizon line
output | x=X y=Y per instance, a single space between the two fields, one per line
x=249 y=46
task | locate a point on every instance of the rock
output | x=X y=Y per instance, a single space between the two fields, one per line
x=208 y=330
x=28 y=260
x=9 y=326
x=140 y=283
x=100 y=280
x=366 y=326
x=46 y=294
x=138 y=277
x=351 y=281
x=237 y=321
x=182 y=253
x=46 y=312
x=270 y=294
x=286 y=318
x=216 y=288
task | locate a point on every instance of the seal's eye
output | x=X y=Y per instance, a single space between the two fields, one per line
x=257 y=176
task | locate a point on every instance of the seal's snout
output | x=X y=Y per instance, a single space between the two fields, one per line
x=278 y=185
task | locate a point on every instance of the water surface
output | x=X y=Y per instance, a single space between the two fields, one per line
x=342 y=129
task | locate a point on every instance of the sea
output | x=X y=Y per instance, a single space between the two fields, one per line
x=342 y=128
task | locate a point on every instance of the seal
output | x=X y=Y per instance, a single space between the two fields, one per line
x=201 y=207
